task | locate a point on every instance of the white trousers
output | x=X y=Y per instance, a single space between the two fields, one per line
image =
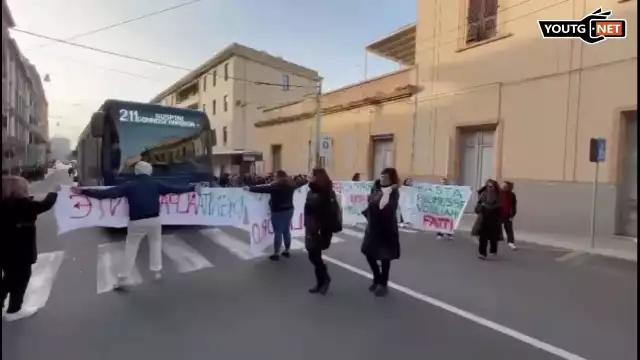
x=136 y=231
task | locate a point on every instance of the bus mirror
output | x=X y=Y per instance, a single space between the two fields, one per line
x=97 y=124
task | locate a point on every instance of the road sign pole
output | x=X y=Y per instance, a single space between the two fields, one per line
x=594 y=205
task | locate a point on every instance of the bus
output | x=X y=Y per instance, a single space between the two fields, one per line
x=176 y=142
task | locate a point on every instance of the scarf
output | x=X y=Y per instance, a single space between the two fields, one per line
x=490 y=200
x=386 y=194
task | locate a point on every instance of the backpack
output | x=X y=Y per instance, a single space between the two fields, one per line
x=336 y=213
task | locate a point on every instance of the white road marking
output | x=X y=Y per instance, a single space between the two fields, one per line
x=235 y=246
x=408 y=231
x=43 y=275
x=110 y=256
x=356 y=234
x=563 y=354
x=570 y=256
x=184 y=257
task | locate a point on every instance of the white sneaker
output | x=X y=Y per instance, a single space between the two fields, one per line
x=22 y=314
x=439 y=237
x=450 y=237
x=513 y=246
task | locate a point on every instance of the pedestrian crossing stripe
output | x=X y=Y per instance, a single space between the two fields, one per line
x=43 y=275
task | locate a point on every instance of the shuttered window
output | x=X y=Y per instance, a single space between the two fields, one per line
x=482 y=20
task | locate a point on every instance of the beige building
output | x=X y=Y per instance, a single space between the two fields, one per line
x=232 y=88
x=25 y=124
x=483 y=96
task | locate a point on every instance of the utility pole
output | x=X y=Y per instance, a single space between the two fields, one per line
x=318 y=122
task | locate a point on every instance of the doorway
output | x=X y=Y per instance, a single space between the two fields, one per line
x=628 y=186
x=276 y=158
x=476 y=161
x=383 y=155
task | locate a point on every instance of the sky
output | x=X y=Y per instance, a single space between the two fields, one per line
x=328 y=36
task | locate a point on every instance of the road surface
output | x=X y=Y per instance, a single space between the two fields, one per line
x=219 y=301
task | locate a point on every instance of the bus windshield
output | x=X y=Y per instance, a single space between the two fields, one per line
x=175 y=142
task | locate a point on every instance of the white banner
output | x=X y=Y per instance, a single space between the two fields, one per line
x=434 y=207
x=259 y=217
x=212 y=207
x=354 y=196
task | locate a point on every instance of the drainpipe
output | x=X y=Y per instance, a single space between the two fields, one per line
x=414 y=123
x=318 y=122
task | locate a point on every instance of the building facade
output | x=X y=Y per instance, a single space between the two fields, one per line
x=232 y=88
x=24 y=105
x=489 y=99
x=60 y=148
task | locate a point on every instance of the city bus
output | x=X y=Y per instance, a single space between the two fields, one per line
x=176 y=142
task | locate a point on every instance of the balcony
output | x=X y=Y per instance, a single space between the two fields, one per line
x=188 y=94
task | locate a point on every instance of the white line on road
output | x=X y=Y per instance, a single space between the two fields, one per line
x=185 y=258
x=569 y=256
x=235 y=246
x=43 y=275
x=563 y=354
x=353 y=233
x=110 y=258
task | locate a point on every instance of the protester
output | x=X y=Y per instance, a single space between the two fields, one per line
x=142 y=194
x=442 y=236
x=19 y=213
x=322 y=218
x=508 y=209
x=488 y=225
x=356 y=177
x=281 y=204
x=381 y=242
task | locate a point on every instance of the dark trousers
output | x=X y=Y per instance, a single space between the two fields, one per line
x=380 y=270
x=14 y=284
x=508 y=229
x=281 y=223
x=319 y=267
x=484 y=242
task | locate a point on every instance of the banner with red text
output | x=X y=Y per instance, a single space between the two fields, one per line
x=212 y=207
x=259 y=218
x=354 y=196
x=434 y=207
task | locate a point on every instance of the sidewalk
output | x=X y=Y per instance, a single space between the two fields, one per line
x=614 y=247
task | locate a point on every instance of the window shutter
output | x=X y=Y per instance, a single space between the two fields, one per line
x=474 y=15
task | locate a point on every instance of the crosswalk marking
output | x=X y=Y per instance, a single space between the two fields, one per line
x=185 y=258
x=44 y=273
x=353 y=233
x=110 y=256
x=401 y=229
x=235 y=246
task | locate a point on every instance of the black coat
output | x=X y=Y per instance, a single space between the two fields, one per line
x=489 y=220
x=281 y=194
x=381 y=237
x=19 y=217
x=318 y=212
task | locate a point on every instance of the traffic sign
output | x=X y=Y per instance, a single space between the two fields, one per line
x=326 y=146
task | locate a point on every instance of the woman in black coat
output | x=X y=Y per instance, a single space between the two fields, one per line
x=488 y=224
x=19 y=212
x=381 y=242
x=320 y=221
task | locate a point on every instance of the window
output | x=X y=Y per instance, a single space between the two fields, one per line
x=481 y=20
x=204 y=84
x=224 y=135
x=214 y=138
x=214 y=107
x=286 y=85
x=226 y=71
x=225 y=103
x=215 y=78
x=204 y=108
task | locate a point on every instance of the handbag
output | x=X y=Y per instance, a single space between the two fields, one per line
x=336 y=210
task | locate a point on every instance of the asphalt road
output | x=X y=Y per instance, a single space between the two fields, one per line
x=217 y=301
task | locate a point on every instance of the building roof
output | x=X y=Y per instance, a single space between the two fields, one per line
x=400 y=46
x=6 y=15
x=241 y=51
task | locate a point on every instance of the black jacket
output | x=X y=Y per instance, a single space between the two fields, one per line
x=281 y=194
x=18 y=221
x=318 y=216
x=381 y=237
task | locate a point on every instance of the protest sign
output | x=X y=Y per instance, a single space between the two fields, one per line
x=212 y=207
x=354 y=196
x=259 y=218
x=434 y=207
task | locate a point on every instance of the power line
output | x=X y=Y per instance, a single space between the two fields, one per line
x=152 y=62
x=124 y=22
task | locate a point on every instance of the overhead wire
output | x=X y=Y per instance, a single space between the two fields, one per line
x=121 y=23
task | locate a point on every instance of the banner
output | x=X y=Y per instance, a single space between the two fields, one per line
x=354 y=196
x=259 y=218
x=212 y=207
x=434 y=207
